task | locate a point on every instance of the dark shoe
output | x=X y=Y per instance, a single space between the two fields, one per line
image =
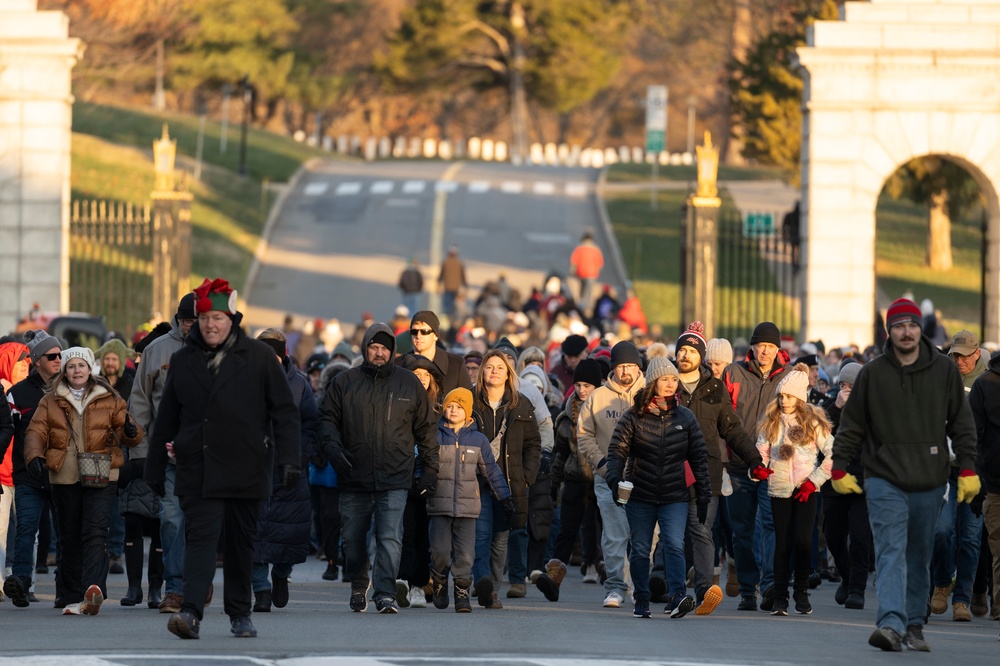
x=183 y=624
x=279 y=591
x=855 y=600
x=331 y=571
x=262 y=601
x=344 y=578
x=440 y=594
x=802 y=605
x=657 y=589
x=814 y=580
x=386 y=605
x=495 y=602
x=41 y=569
x=980 y=605
x=116 y=566
x=462 y=603
x=484 y=591
x=641 y=609
x=171 y=603
x=886 y=639
x=832 y=575
x=683 y=607
x=840 y=596
x=602 y=572
x=914 y=639
x=154 y=599
x=780 y=606
x=748 y=602
x=32 y=598
x=17 y=592
x=359 y=600
x=133 y=597
x=548 y=583
x=767 y=600
x=242 y=627
x=60 y=602
x=402 y=593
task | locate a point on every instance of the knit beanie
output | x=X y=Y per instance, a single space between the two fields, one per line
x=718 y=349
x=849 y=373
x=344 y=350
x=903 y=310
x=693 y=337
x=86 y=353
x=573 y=345
x=426 y=317
x=39 y=342
x=766 y=331
x=588 y=370
x=215 y=295
x=463 y=397
x=795 y=383
x=658 y=364
x=384 y=339
x=507 y=347
x=625 y=352
x=185 y=308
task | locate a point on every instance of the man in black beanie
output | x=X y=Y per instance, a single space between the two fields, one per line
x=574 y=349
x=424 y=327
x=751 y=383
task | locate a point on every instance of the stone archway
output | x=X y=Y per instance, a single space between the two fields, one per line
x=892 y=81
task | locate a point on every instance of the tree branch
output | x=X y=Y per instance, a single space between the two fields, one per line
x=497 y=66
x=503 y=45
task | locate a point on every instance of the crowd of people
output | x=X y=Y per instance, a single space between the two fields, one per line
x=500 y=451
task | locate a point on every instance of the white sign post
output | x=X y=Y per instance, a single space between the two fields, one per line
x=656 y=131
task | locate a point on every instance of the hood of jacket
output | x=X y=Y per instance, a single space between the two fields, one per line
x=375 y=371
x=924 y=360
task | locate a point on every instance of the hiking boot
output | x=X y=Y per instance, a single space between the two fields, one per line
x=732 y=582
x=386 y=605
x=591 y=576
x=92 y=600
x=171 y=603
x=359 y=600
x=840 y=596
x=767 y=600
x=711 y=600
x=279 y=591
x=16 y=590
x=331 y=571
x=960 y=612
x=682 y=608
x=242 y=627
x=914 y=639
x=262 y=601
x=495 y=602
x=133 y=597
x=641 y=609
x=613 y=600
x=980 y=604
x=184 y=625
x=939 y=600
x=548 y=583
x=802 y=605
x=657 y=589
x=886 y=639
x=855 y=600
x=462 y=602
x=484 y=591
x=748 y=602
x=417 y=599
x=440 y=594
x=780 y=606
x=516 y=591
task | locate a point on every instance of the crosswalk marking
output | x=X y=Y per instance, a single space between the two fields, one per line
x=576 y=189
x=479 y=186
x=414 y=186
x=446 y=186
x=382 y=187
x=542 y=237
x=544 y=188
x=315 y=189
x=511 y=187
x=344 y=189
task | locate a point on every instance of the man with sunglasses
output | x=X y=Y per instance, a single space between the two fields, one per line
x=30 y=492
x=424 y=326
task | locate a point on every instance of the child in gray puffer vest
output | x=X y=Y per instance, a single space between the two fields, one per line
x=463 y=453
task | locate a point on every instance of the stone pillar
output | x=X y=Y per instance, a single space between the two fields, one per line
x=36 y=59
x=171 y=249
x=700 y=259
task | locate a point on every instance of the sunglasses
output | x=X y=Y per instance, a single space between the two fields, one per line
x=420 y=331
x=52 y=357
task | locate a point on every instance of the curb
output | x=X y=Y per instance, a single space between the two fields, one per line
x=609 y=235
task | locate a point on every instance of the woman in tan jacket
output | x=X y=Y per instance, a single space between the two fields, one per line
x=80 y=413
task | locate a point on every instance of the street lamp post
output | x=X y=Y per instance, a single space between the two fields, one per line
x=247 y=99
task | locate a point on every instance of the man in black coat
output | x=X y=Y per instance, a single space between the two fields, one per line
x=227 y=416
x=371 y=418
x=984 y=401
x=424 y=327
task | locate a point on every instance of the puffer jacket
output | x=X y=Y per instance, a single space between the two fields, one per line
x=804 y=464
x=567 y=464
x=61 y=427
x=655 y=447
x=463 y=455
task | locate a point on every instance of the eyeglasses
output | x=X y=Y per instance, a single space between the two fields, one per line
x=420 y=331
x=52 y=357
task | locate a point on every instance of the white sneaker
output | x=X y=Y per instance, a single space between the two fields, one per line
x=591 y=576
x=613 y=600
x=533 y=576
x=417 y=598
x=72 y=609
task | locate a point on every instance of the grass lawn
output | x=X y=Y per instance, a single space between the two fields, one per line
x=630 y=173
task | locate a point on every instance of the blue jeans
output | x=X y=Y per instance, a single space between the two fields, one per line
x=491 y=540
x=957 y=539
x=753 y=532
x=448 y=302
x=356 y=511
x=261 y=582
x=28 y=506
x=172 y=535
x=614 y=539
x=517 y=555
x=903 y=529
x=642 y=519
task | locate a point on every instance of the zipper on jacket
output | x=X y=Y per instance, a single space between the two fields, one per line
x=389 y=414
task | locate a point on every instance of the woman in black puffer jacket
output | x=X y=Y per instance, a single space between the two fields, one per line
x=650 y=446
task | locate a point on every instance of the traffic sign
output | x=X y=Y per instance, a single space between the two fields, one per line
x=656 y=118
x=756 y=224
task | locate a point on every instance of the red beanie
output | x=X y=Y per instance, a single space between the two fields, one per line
x=903 y=310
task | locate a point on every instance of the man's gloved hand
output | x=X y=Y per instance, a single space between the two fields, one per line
x=158 y=488
x=546 y=462
x=845 y=483
x=803 y=492
x=290 y=475
x=129 y=428
x=509 y=509
x=341 y=462
x=702 y=512
x=427 y=483
x=37 y=468
x=968 y=485
x=761 y=473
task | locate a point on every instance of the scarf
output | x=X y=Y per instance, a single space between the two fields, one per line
x=661 y=404
x=215 y=357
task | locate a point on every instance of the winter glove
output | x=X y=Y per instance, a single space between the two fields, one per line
x=845 y=483
x=761 y=473
x=968 y=485
x=509 y=510
x=129 y=428
x=702 y=512
x=341 y=462
x=427 y=483
x=290 y=475
x=37 y=469
x=546 y=463
x=803 y=492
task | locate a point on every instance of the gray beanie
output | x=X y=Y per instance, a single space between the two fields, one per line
x=849 y=373
x=39 y=342
x=718 y=349
x=659 y=364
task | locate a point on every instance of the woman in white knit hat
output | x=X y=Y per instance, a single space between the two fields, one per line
x=792 y=435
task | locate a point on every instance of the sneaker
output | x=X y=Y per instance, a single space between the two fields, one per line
x=840 y=596
x=92 y=600
x=814 y=580
x=462 y=602
x=980 y=604
x=359 y=600
x=886 y=639
x=279 y=591
x=171 y=603
x=386 y=605
x=641 y=609
x=939 y=600
x=516 y=591
x=184 y=625
x=242 y=627
x=960 y=612
x=484 y=591
x=748 y=602
x=732 y=582
x=802 y=605
x=440 y=593
x=613 y=600
x=711 y=600
x=657 y=589
x=417 y=598
x=16 y=590
x=115 y=566
x=914 y=639
x=683 y=607
x=855 y=600
x=767 y=600
x=780 y=606
x=591 y=576
x=262 y=601
x=73 y=609
x=331 y=571
x=402 y=594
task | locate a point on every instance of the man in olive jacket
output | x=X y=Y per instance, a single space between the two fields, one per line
x=228 y=416
x=371 y=418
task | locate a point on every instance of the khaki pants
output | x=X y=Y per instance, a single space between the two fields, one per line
x=991 y=518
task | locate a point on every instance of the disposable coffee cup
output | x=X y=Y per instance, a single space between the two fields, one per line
x=624 y=491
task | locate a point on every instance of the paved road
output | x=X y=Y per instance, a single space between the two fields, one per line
x=317 y=626
x=347 y=229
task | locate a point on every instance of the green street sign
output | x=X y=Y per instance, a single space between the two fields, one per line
x=655 y=141
x=758 y=224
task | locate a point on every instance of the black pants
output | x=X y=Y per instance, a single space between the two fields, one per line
x=576 y=517
x=793 y=534
x=415 y=560
x=205 y=521
x=83 y=516
x=848 y=538
x=135 y=525
x=539 y=522
x=330 y=508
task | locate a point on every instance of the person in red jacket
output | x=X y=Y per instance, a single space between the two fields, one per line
x=586 y=263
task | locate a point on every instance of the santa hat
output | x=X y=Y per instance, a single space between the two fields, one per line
x=215 y=295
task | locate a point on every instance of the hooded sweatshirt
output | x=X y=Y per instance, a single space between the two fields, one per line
x=598 y=418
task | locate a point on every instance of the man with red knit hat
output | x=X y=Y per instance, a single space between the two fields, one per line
x=905 y=406
x=228 y=418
